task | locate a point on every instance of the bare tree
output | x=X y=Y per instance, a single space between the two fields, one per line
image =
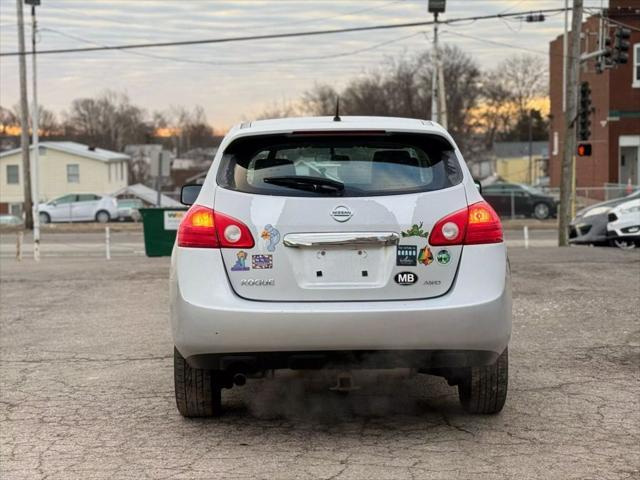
x=48 y=124
x=109 y=121
x=402 y=88
x=8 y=121
x=285 y=108
x=525 y=78
x=507 y=95
x=320 y=100
x=496 y=112
x=186 y=129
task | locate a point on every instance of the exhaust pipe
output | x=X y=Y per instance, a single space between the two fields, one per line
x=239 y=379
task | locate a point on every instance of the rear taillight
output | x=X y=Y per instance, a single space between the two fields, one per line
x=484 y=225
x=473 y=225
x=443 y=231
x=201 y=227
x=232 y=233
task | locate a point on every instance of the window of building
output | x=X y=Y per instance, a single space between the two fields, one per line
x=636 y=66
x=73 y=173
x=13 y=175
x=15 y=209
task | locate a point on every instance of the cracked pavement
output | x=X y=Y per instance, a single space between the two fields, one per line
x=86 y=387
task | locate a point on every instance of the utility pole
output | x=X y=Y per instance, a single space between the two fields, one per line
x=565 y=52
x=438 y=100
x=24 y=123
x=530 y=147
x=568 y=151
x=35 y=170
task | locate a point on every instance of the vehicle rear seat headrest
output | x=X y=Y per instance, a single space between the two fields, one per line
x=397 y=157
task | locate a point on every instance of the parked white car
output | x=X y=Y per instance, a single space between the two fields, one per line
x=341 y=244
x=79 y=207
x=623 y=229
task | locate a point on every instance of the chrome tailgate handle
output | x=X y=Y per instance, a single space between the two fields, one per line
x=313 y=240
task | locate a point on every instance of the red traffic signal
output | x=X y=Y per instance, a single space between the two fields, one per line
x=584 y=150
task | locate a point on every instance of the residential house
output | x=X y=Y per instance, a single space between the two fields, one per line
x=521 y=162
x=65 y=167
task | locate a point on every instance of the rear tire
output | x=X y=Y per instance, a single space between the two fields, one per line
x=484 y=389
x=541 y=211
x=103 y=216
x=197 y=394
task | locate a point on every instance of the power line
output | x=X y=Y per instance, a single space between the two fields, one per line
x=622 y=24
x=268 y=36
x=244 y=62
x=262 y=25
x=495 y=42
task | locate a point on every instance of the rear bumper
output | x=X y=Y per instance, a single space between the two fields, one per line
x=253 y=362
x=209 y=319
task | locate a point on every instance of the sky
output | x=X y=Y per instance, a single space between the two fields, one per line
x=236 y=81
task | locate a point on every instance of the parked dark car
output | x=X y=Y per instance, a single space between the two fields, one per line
x=518 y=199
x=590 y=225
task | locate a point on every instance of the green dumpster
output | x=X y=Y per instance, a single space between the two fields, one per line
x=160 y=229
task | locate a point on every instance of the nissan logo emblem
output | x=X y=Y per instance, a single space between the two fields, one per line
x=341 y=213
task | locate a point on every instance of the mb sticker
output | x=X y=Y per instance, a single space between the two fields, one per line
x=407 y=255
x=406 y=278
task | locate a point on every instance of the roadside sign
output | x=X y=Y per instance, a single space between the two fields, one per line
x=160 y=163
x=437 y=6
x=172 y=219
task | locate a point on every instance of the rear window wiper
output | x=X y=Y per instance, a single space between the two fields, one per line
x=309 y=184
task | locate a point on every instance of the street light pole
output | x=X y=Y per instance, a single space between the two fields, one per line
x=438 y=100
x=435 y=105
x=35 y=157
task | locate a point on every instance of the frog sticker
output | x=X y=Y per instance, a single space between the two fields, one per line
x=415 y=231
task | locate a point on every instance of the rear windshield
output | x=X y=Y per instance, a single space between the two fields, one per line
x=344 y=165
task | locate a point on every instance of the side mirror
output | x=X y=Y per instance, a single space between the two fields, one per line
x=189 y=193
x=478 y=185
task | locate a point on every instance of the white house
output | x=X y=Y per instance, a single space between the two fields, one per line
x=65 y=167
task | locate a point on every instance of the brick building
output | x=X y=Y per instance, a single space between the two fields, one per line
x=615 y=123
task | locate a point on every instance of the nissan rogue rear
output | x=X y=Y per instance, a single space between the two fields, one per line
x=339 y=244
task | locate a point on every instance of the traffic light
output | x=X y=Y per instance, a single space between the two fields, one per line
x=584 y=150
x=584 y=112
x=603 y=60
x=621 y=45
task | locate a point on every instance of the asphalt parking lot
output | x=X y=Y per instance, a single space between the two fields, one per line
x=86 y=388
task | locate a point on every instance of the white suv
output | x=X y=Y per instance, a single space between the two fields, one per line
x=359 y=242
